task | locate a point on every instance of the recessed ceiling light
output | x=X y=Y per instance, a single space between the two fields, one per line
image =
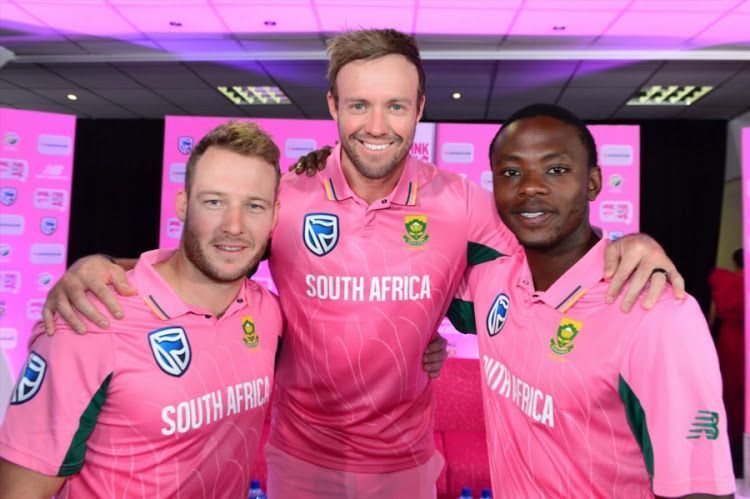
x=269 y=23
x=456 y=95
x=175 y=24
x=244 y=95
x=72 y=97
x=558 y=28
x=669 y=95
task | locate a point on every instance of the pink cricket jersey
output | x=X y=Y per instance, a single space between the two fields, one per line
x=169 y=402
x=363 y=289
x=584 y=400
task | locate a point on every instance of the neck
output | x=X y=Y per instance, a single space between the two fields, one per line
x=547 y=265
x=370 y=190
x=195 y=288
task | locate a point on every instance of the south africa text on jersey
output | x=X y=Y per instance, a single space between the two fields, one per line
x=376 y=288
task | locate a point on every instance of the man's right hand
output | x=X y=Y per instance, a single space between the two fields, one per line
x=312 y=162
x=68 y=297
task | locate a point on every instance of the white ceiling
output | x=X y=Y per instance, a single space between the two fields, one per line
x=124 y=60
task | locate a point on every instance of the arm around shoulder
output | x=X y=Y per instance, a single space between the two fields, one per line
x=22 y=483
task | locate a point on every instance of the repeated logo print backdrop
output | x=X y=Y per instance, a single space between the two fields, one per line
x=461 y=148
x=36 y=168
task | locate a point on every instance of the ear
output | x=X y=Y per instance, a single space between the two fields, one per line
x=332 y=106
x=595 y=182
x=276 y=206
x=420 y=108
x=180 y=203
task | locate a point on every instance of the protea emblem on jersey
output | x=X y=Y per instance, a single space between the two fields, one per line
x=31 y=379
x=498 y=314
x=566 y=333
x=8 y=195
x=416 y=230
x=171 y=350
x=320 y=232
x=48 y=225
x=251 y=338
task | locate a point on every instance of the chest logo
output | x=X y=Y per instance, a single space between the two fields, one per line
x=320 y=232
x=251 y=338
x=8 y=195
x=498 y=314
x=566 y=333
x=416 y=230
x=32 y=376
x=171 y=350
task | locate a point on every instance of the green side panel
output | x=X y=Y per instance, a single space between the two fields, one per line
x=76 y=454
x=461 y=315
x=637 y=421
x=479 y=253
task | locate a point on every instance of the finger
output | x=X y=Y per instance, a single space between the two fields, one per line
x=311 y=170
x=611 y=260
x=49 y=319
x=619 y=277
x=678 y=284
x=122 y=285
x=435 y=357
x=107 y=297
x=656 y=284
x=292 y=167
x=83 y=305
x=638 y=281
x=69 y=315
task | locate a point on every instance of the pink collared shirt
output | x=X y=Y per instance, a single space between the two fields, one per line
x=363 y=289
x=584 y=400
x=169 y=402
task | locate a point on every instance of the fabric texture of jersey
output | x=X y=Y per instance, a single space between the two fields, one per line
x=582 y=399
x=363 y=290
x=169 y=402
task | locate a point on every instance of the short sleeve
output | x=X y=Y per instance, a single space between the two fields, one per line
x=56 y=401
x=671 y=388
x=488 y=237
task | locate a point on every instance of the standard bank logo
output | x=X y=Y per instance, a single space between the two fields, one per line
x=48 y=225
x=8 y=195
x=320 y=232
x=32 y=376
x=498 y=314
x=185 y=144
x=171 y=350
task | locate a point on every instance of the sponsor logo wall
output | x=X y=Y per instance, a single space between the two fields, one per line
x=460 y=148
x=36 y=168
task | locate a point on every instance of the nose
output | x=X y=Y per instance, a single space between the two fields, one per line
x=533 y=184
x=376 y=123
x=233 y=221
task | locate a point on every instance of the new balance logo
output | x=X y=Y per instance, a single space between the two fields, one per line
x=706 y=424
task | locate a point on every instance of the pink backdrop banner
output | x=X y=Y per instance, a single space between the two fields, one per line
x=36 y=168
x=746 y=238
x=461 y=148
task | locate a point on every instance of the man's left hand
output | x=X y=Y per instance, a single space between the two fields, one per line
x=434 y=356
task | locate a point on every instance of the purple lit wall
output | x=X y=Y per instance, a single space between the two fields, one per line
x=36 y=168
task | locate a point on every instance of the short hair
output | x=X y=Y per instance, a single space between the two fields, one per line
x=560 y=114
x=368 y=44
x=738 y=260
x=245 y=139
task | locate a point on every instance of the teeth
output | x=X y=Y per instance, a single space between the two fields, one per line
x=532 y=214
x=229 y=248
x=375 y=147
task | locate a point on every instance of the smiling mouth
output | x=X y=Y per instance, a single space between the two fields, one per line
x=531 y=214
x=230 y=248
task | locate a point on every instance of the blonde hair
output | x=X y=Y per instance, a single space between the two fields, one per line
x=245 y=139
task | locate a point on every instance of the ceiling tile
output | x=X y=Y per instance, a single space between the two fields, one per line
x=459 y=73
x=268 y=18
x=141 y=102
x=506 y=101
x=698 y=112
x=308 y=46
x=82 y=19
x=183 y=19
x=614 y=95
x=15 y=19
x=51 y=108
x=726 y=96
x=298 y=73
x=568 y=22
x=120 y=46
x=534 y=73
x=208 y=102
x=201 y=46
x=647 y=112
x=340 y=17
x=163 y=75
x=31 y=46
x=656 y=27
x=18 y=96
x=731 y=29
x=460 y=20
x=695 y=72
x=576 y=5
x=93 y=76
x=691 y=6
x=33 y=76
x=741 y=79
x=613 y=74
x=231 y=73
